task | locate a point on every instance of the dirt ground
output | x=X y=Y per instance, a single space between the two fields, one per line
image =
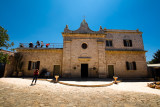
x=17 y=92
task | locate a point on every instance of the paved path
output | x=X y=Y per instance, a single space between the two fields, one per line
x=15 y=92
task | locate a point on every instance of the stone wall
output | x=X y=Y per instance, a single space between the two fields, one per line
x=117 y=40
x=119 y=58
x=47 y=57
x=74 y=55
x=83 y=56
x=9 y=68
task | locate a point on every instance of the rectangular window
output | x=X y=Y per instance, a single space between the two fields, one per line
x=127 y=43
x=33 y=65
x=131 y=65
x=109 y=43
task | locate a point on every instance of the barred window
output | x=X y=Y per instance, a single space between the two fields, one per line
x=127 y=43
x=131 y=65
x=109 y=43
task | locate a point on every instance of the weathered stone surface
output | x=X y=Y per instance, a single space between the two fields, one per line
x=48 y=58
x=119 y=58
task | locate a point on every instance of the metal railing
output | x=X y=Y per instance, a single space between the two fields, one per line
x=35 y=45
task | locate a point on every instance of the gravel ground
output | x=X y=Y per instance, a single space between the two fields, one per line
x=16 y=92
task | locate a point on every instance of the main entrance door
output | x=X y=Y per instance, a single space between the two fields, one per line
x=111 y=71
x=84 y=70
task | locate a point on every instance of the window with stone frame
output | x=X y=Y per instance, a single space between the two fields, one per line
x=33 y=65
x=131 y=65
x=127 y=43
x=109 y=43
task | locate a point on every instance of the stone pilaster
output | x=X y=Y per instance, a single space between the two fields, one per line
x=101 y=59
x=66 y=59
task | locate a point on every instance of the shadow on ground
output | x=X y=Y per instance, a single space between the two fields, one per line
x=106 y=79
x=97 y=79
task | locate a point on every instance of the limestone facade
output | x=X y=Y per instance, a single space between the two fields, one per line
x=119 y=58
x=47 y=57
x=97 y=56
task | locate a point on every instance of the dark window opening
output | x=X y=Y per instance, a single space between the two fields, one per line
x=33 y=65
x=109 y=43
x=84 y=45
x=131 y=65
x=127 y=43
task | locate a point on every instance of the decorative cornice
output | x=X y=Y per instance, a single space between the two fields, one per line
x=84 y=58
x=126 y=51
x=67 y=41
x=122 y=32
x=83 y=35
x=129 y=49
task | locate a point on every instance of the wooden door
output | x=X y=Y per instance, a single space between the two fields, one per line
x=110 y=71
x=56 y=70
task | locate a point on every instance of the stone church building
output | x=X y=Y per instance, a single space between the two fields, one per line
x=86 y=53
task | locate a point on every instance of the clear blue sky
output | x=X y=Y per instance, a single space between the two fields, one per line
x=44 y=20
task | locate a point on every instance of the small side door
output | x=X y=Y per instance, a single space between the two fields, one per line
x=56 y=70
x=110 y=71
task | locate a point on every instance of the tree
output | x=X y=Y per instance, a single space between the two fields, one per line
x=4 y=38
x=4 y=43
x=18 y=61
x=156 y=57
x=3 y=58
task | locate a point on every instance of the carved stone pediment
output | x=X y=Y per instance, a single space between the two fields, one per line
x=84 y=29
